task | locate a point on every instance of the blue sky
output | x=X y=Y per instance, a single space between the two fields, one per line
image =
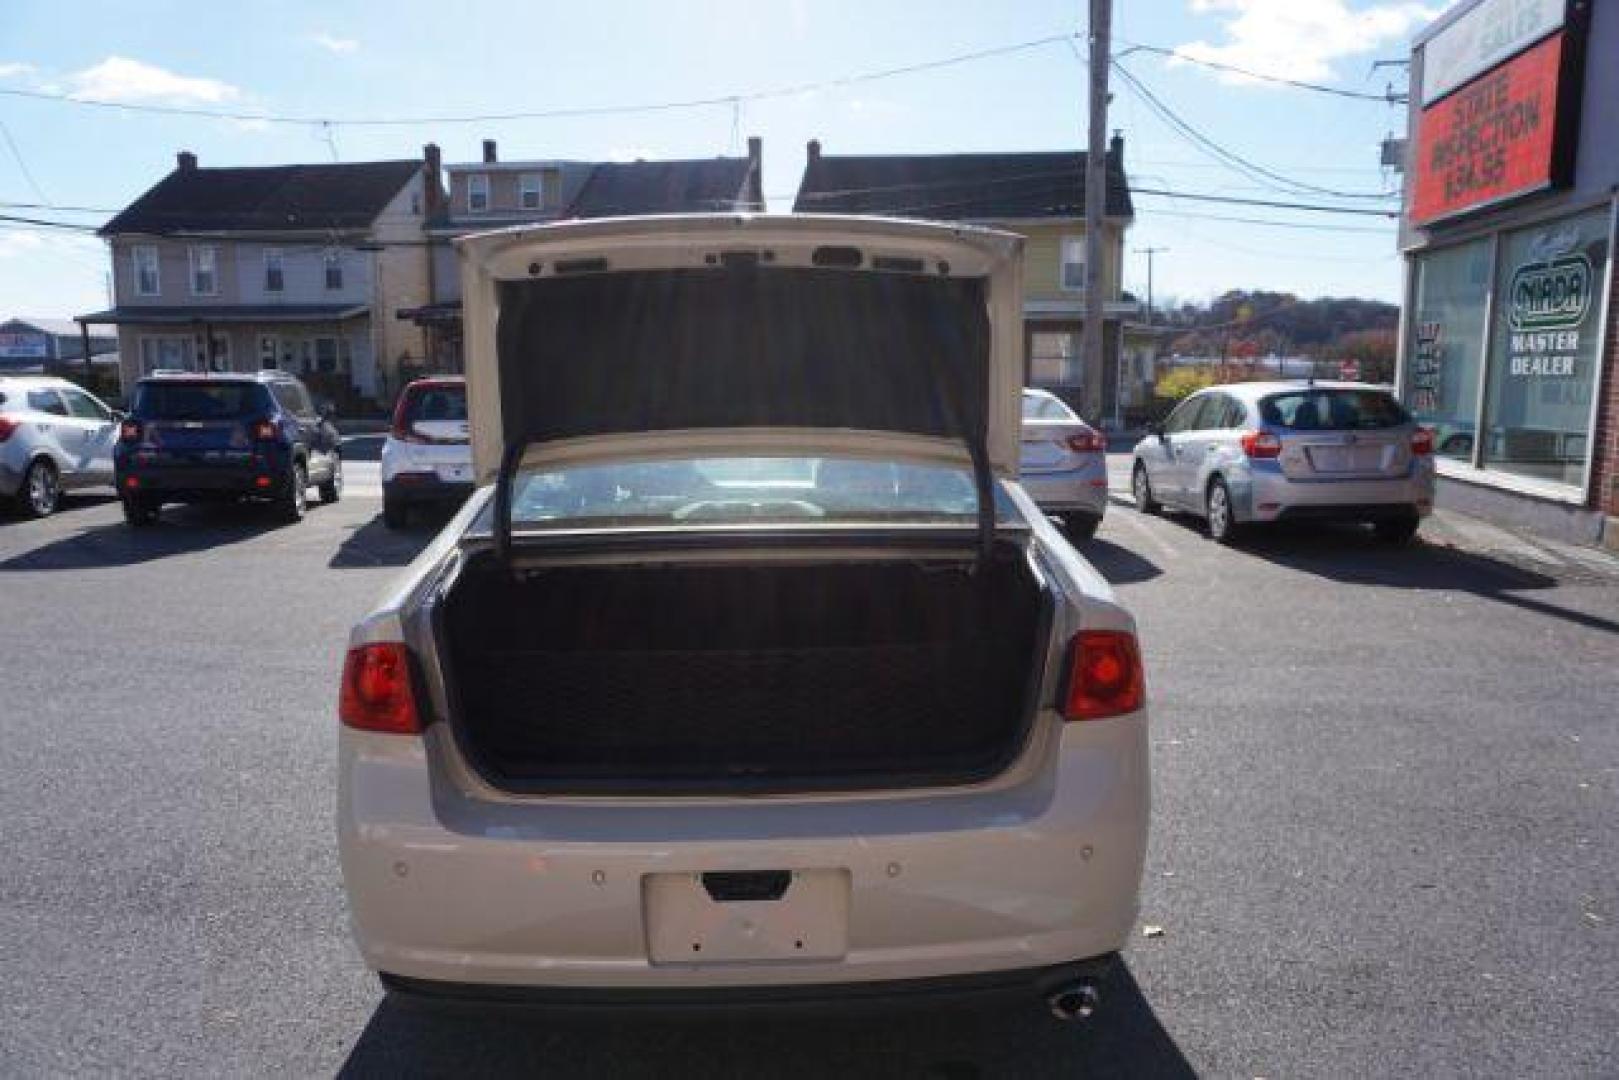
x=410 y=59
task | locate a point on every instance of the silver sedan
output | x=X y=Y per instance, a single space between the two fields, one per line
x=1063 y=463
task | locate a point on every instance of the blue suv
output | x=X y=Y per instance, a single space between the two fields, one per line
x=193 y=437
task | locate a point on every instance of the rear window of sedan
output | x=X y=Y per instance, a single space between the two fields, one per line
x=434 y=404
x=1038 y=407
x=1330 y=409
x=199 y=400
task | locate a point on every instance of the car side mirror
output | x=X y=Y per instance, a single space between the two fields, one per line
x=1158 y=430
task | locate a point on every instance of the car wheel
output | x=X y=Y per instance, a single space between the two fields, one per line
x=1223 y=527
x=332 y=489
x=1141 y=488
x=41 y=489
x=395 y=515
x=1398 y=531
x=295 y=499
x=139 y=513
x=1080 y=526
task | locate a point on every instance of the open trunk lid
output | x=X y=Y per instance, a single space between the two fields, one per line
x=792 y=333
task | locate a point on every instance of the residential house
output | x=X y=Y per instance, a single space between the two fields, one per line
x=287 y=266
x=1038 y=195
x=493 y=194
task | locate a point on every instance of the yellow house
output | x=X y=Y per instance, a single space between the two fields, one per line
x=1038 y=195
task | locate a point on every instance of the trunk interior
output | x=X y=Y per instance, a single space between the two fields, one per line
x=757 y=676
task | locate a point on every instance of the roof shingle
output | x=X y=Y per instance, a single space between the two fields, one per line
x=619 y=188
x=263 y=199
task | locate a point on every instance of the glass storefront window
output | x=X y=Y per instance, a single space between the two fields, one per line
x=1447 y=345
x=1545 y=343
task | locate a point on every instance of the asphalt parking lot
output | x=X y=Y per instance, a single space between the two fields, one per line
x=1386 y=831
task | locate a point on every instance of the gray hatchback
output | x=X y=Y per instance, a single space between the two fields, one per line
x=1250 y=453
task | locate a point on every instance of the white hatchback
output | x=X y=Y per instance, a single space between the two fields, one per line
x=54 y=437
x=427 y=457
x=750 y=670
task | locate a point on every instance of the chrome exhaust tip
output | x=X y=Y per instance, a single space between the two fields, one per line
x=1074 y=1001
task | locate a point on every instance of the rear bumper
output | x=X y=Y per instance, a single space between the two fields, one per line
x=10 y=480
x=1262 y=493
x=1081 y=490
x=412 y=488
x=447 y=887
x=203 y=483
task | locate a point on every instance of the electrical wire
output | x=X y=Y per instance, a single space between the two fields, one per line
x=1387 y=98
x=22 y=165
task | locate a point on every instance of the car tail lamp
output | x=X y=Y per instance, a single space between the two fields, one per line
x=1088 y=441
x=377 y=693
x=262 y=430
x=130 y=431
x=1422 y=442
x=7 y=426
x=1261 y=444
x=1104 y=676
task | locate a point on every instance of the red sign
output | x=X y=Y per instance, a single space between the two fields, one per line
x=1491 y=139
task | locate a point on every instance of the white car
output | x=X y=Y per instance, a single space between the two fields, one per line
x=749 y=670
x=426 y=458
x=54 y=437
x=1250 y=454
x=1064 y=463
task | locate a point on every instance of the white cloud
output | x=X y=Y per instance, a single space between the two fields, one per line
x=7 y=70
x=118 y=78
x=14 y=242
x=1300 y=39
x=334 y=44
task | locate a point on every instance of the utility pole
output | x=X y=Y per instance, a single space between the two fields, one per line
x=1149 y=252
x=1093 y=366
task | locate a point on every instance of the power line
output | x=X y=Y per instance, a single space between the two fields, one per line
x=55 y=206
x=1387 y=98
x=726 y=100
x=1230 y=158
x=1308 y=226
x=22 y=165
x=1234 y=200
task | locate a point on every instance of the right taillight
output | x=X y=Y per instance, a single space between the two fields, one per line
x=1261 y=444
x=129 y=431
x=1104 y=676
x=1422 y=442
x=377 y=694
x=7 y=426
x=1089 y=441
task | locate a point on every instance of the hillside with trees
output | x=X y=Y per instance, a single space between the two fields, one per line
x=1241 y=325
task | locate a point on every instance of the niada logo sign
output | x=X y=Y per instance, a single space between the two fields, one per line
x=1551 y=295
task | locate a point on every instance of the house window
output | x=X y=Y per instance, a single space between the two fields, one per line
x=1073 y=263
x=334 y=270
x=170 y=353
x=528 y=191
x=147 y=282
x=205 y=271
x=274 y=279
x=1053 y=359
x=539 y=191
x=269 y=351
x=478 y=192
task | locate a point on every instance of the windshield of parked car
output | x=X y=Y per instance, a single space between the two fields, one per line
x=775 y=490
x=199 y=400
x=1040 y=407
x=1327 y=409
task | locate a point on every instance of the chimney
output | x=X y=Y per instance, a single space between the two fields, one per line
x=185 y=161
x=814 y=148
x=755 y=193
x=433 y=180
x=489 y=151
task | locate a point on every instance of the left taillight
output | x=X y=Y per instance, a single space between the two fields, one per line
x=1089 y=441
x=1105 y=677
x=377 y=692
x=7 y=426
x=129 y=431
x=1422 y=442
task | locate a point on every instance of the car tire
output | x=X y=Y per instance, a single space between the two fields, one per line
x=1141 y=488
x=294 y=501
x=139 y=513
x=1217 y=512
x=1080 y=526
x=41 y=490
x=1397 y=532
x=332 y=489
x=395 y=515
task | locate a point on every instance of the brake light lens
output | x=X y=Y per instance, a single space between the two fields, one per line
x=1261 y=444
x=7 y=426
x=1088 y=441
x=129 y=431
x=1422 y=442
x=377 y=693
x=1105 y=677
x=263 y=430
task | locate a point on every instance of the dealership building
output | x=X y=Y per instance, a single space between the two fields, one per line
x=1509 y=345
